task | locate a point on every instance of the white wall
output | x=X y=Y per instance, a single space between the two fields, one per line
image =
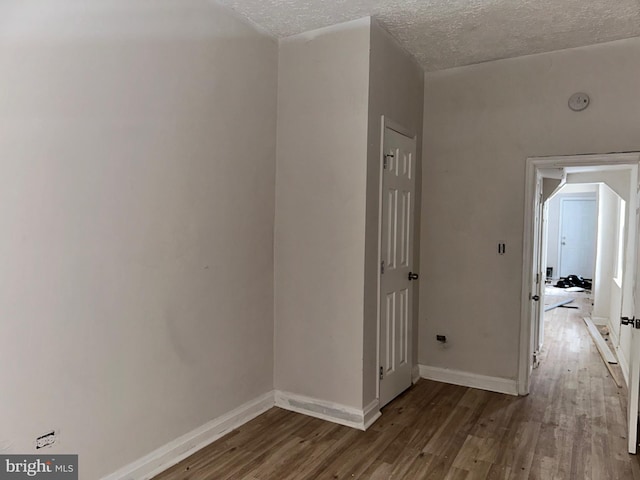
x=605 y=253
x=396 y=89
x=334 y=86
x=323 y=95
x=137 y=146
x=481 y=123
x=616 y=179
x=615 y=282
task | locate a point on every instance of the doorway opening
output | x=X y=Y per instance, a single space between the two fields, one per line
x=614 y=179
x=583 y=249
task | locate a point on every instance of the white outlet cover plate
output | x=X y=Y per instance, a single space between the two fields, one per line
x=47 y=442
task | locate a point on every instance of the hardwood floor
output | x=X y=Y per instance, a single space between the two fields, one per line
x=571 y=426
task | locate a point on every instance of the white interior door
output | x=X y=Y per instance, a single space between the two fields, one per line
x=396 y=251
x=578 y=228
x=547 y=182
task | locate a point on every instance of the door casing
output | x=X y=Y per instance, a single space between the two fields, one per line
x=533 y=166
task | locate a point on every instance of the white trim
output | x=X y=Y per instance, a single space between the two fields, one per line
x=177 y=450
x=371 y=413
x=525 y=357
x=587 y=160
x=600 y=342
x=379 y=257
x=468 y=379
x=624 y=365
x=352 y=417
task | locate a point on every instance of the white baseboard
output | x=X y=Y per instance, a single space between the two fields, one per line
x=599 y=341
x=177 y=450
x=467 y=379
x=371 y=414
x=330 y=411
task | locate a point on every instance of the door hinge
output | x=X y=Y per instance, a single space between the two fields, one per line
x=385 y=160
x=537 y=278
x=381 y=372
x=633 y=321
x=381 y=267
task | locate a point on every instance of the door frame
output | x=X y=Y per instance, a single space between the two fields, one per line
x=533 y=166
x=385 y=123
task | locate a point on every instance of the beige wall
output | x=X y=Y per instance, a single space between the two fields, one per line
x=323 y=86
x=137 y=204
x=616 y=180
x=396 y=90
x=481 y=123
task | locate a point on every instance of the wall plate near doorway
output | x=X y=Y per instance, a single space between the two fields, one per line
x=579 y=101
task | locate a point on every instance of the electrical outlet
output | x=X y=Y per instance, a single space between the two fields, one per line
x=46 y=440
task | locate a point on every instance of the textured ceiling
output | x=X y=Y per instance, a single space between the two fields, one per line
x=449 y=33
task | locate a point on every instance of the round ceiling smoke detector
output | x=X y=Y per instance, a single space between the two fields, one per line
x=579 y=101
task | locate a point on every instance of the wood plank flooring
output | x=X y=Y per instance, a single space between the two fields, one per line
x=571 y=426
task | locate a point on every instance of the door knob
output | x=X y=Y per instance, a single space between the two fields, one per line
x=413 y=276
x=535 y=298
